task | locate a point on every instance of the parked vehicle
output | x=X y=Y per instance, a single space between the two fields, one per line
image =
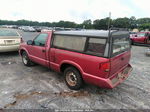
x=37 y=28
x=141 y=37
x=82 y=56
x=46 y=29
x=28 y=29
x=132 y=34
x=9 y=40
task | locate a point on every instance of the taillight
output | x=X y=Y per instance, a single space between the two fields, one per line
x=105 y=67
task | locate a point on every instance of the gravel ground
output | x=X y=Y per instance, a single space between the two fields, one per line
x=40 y=88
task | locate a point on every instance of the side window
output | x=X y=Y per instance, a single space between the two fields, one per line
x=69 y=42
x=96 y=46
x=40 y=40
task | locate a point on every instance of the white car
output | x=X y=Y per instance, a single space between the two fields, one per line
x=28 y=29
x=9 y=40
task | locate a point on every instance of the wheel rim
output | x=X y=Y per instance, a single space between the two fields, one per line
x=25 y=60
x=71 y=78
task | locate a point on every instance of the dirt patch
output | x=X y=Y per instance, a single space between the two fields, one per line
x=23 y=96
x=63 y=94
x=73 y=94
x=11 y=104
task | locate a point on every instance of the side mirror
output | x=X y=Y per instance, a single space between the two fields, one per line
x=29 y=42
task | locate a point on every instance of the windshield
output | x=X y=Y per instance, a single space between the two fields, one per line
x=120 y=44
x=140 y=34
x=8 y=33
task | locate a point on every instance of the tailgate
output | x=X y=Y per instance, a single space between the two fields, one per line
x=120 y=53
x=120 y=61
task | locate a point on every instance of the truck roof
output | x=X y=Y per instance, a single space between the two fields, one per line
x=91 y=33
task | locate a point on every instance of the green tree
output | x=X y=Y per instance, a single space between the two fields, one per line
x=66 y=24
x=87 y=24
x=101 y=23
x=143 y=21
x=122 y=22
x=133 y=23
x=144 y=26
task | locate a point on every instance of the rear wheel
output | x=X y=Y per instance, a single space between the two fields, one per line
x=25 y=59
x=73 y=78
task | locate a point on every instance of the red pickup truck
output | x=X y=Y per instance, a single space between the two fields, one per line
x=96 y=57
x=141 y=37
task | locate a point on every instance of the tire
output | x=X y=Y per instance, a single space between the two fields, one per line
x=25 y=59
x=73 y=78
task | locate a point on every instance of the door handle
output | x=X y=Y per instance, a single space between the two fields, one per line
x=43 y=51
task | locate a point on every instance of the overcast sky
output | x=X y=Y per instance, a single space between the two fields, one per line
x=72 y=10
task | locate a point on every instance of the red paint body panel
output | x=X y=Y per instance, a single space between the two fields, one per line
x=88 y=65
x=85 y=63
x=107 y=83
x=120 y=61
x=141 y=39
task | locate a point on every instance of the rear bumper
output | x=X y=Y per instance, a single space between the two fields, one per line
x=111 y=82
x=9 y=48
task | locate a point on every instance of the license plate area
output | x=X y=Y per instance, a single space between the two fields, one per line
x=123 y=74
x=9 y=42
x=127 y=70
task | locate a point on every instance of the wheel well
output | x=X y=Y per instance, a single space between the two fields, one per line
x=65 y=65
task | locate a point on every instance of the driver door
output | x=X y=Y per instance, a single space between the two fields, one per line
x=37 y=50
x=140 y=39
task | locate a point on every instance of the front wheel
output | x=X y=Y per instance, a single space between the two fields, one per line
x=25 y=59
x=73 y=78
